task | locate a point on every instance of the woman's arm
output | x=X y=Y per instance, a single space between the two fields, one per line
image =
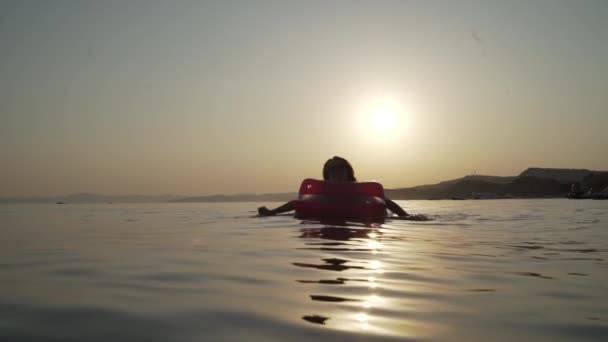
x=395 y=208
x=289 y=206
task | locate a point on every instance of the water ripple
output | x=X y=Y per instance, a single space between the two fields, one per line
x=483 y=270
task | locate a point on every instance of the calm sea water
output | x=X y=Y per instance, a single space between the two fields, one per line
x=483 y=270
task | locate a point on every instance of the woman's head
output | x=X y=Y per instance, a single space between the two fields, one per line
x=338 y=169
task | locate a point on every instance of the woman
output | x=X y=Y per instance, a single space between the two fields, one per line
x=339 y=170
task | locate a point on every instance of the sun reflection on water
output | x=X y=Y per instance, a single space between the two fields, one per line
x=375 y=264
x=373 y=299
x=362 y=318
x=346 y=257
x=370 y=301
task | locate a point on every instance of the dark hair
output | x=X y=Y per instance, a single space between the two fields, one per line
x=342 y=162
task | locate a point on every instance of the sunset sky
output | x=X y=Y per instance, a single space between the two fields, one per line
x=193 y=97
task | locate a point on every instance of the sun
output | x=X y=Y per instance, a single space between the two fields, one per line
x=382 y=119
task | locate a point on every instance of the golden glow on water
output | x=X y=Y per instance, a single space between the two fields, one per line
x=370 y=301
x=375 y=264
x=363 y=318
x=384 y=282
x=440 y=282
x=371 y=282
x=374 y=244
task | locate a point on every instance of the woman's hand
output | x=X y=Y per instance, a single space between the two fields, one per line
x=417 y=217
x=263 y=211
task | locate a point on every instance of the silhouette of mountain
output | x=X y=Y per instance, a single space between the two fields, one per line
x=465 y=187
x=560 y=175
x=536 y=187
x=91 y=198
x=532 y=183
x=597 y=181
x=278 y=197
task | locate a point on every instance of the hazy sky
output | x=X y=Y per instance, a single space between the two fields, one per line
x=252 y=96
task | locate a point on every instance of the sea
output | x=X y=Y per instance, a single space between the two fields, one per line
x=481 y=270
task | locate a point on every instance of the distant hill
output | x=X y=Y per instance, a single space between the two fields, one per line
x=91 y=198
x=467 y=186
x=482 y=178
x=532 y=183
x=597 y=180
x=560 y=175
x=100 y=198
x=536 y=187
x=278 y=197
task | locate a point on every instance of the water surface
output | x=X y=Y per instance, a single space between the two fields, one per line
x=483 y=270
